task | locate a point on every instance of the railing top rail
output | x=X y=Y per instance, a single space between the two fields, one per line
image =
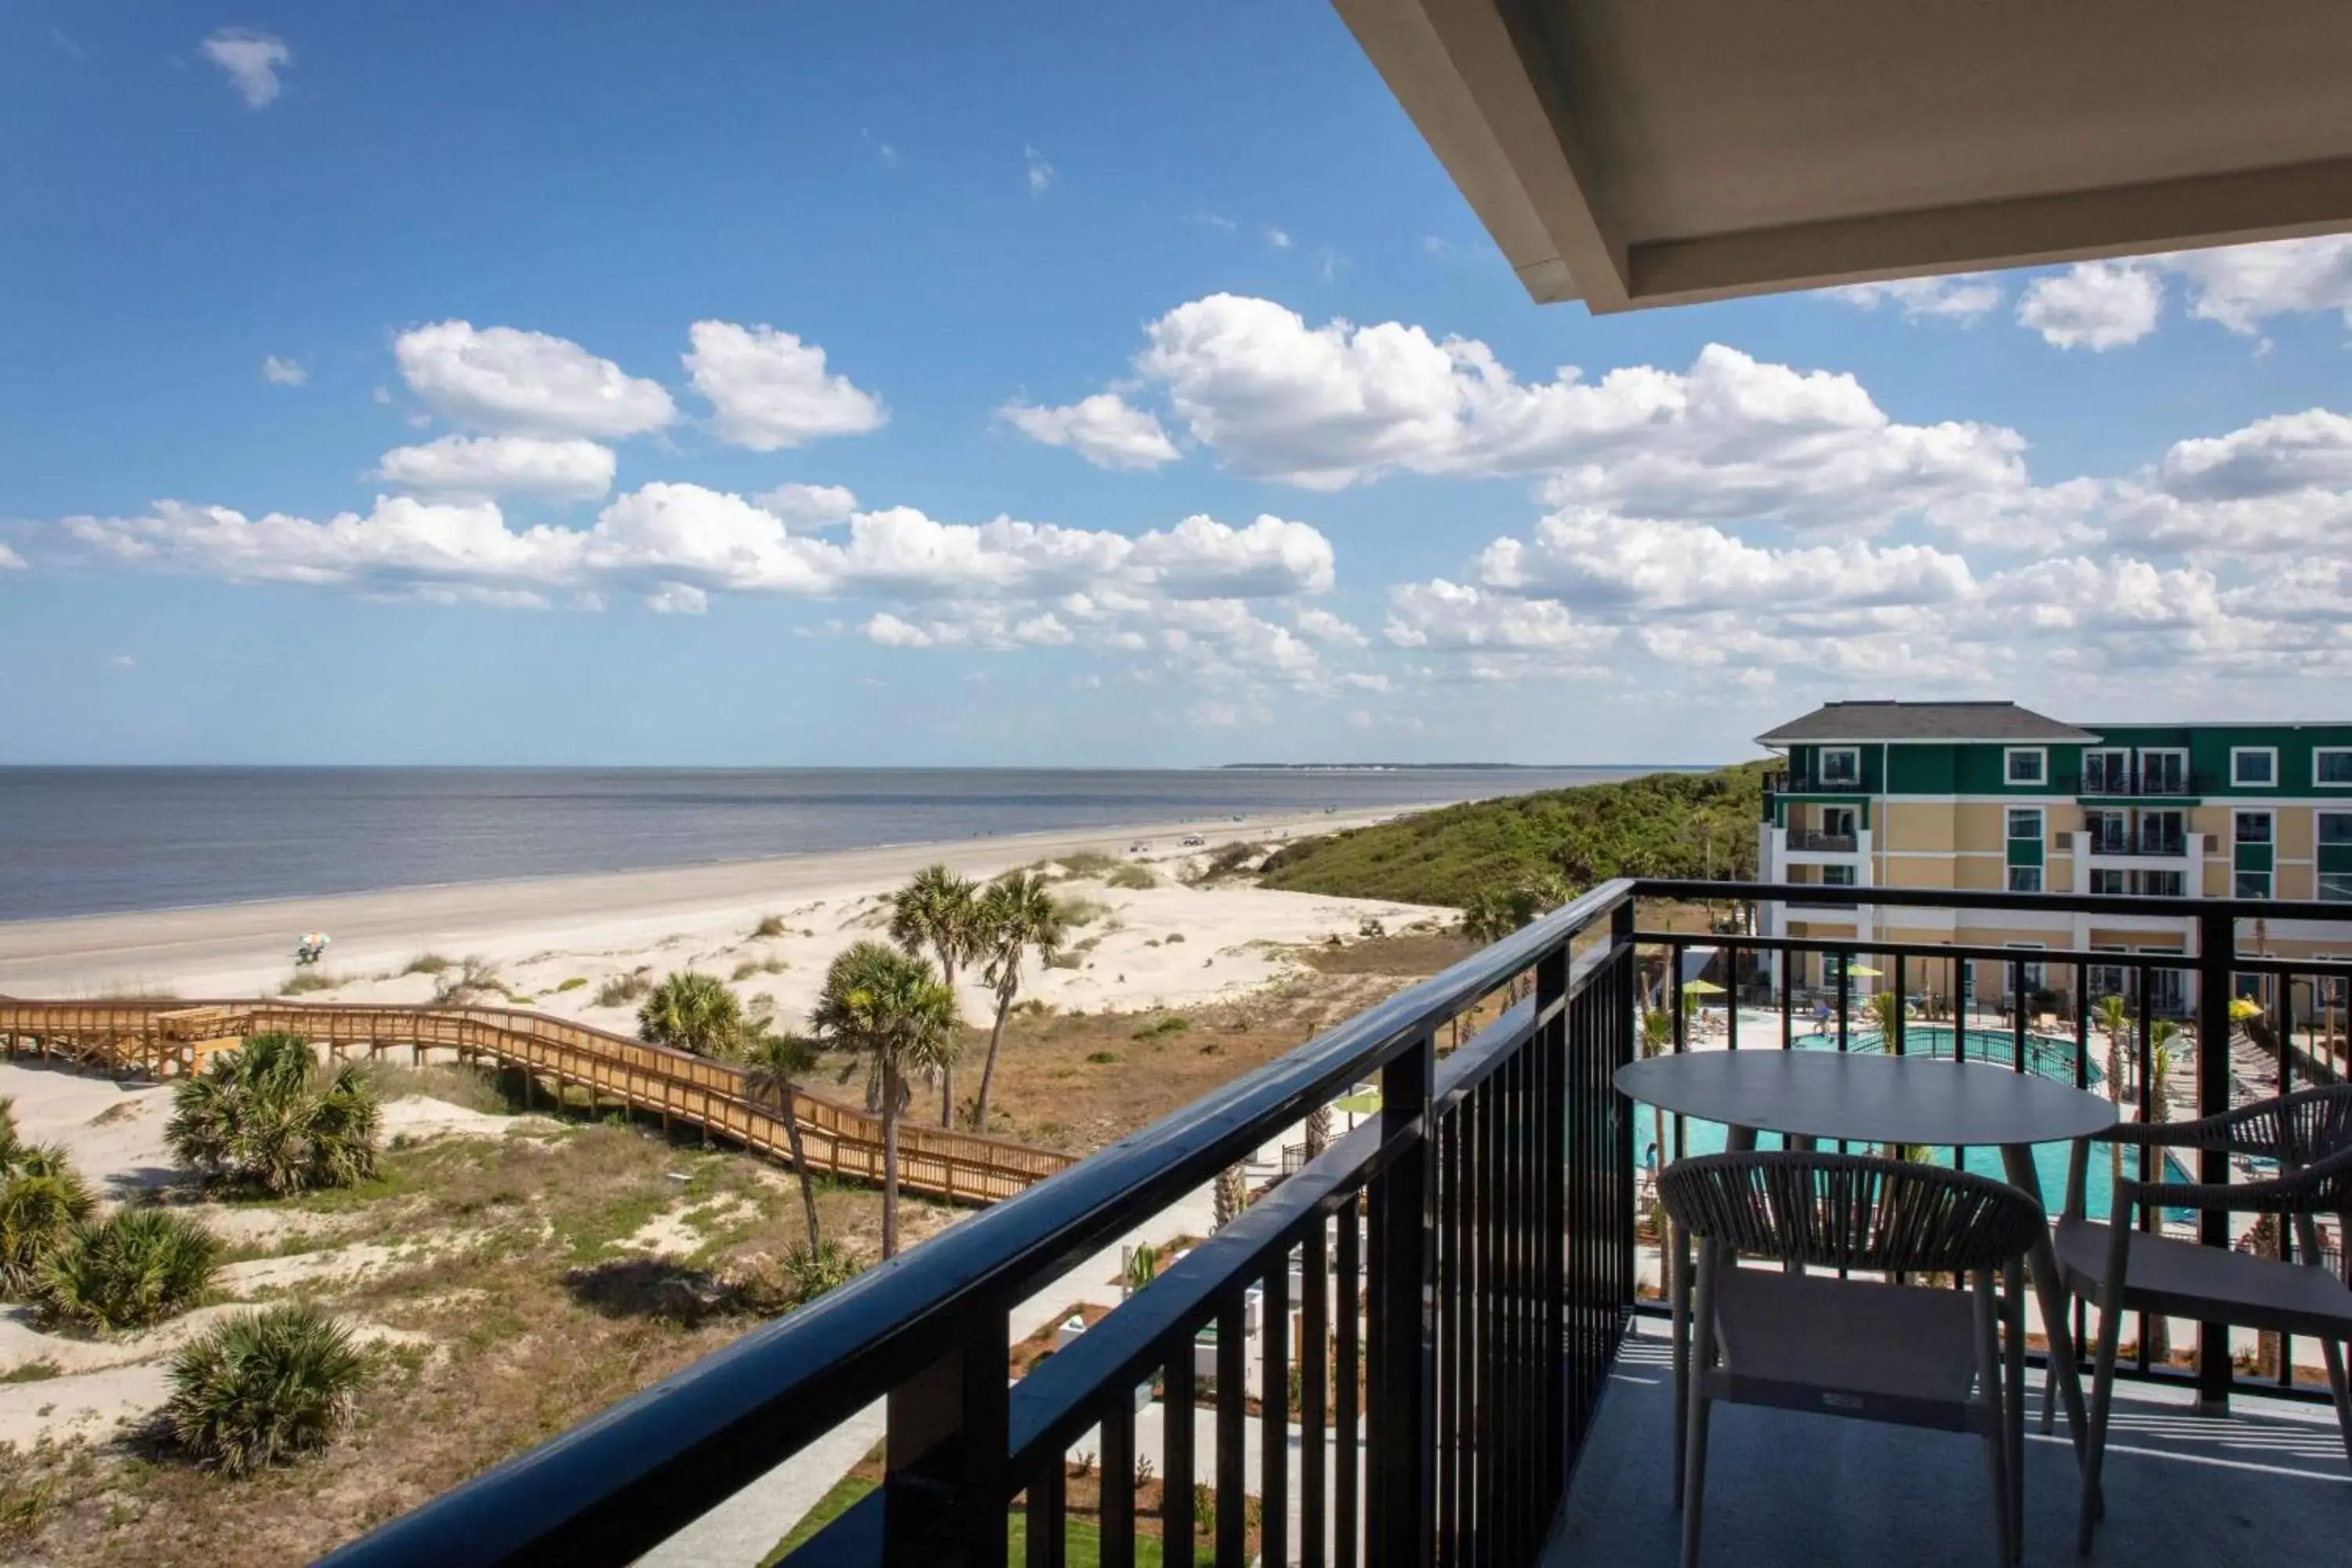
x=1963 y=899
x=707 y=1432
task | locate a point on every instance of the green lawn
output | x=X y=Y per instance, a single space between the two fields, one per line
x=1083 y=1548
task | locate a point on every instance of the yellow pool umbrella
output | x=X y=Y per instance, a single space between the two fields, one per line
x=1703 y=987
x=1864 y=969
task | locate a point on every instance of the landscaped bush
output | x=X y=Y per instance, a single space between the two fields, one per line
x=261 y=1388
x=42 y=1200
x=691 y=1011
x=139 y=1266
x=265 y=1116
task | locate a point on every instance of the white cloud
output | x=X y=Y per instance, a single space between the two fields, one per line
x=2270 y=457
x=809 y=506
x=1278 y=239
x=2096 y=305
x=1326 y=627
x=1586 y=556
x=1962 y=295
x=122 y=661
x=10 y=561
x=1041 y=173
x=282 y=371
x=1340 y=405
x=678 y=599
x=501 y=378
x=884 y=154
x=1454 y=616
x=1104 y=429
x=1201 y=558
x=473 y=467
x=770 y=390
x=2241 y=286
x=252 y=60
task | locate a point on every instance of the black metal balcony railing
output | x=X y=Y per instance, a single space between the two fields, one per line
x=1470 y=1246
x=1815 y=839
x=2109 y=841
x=2118 y=783
x=1812 y=784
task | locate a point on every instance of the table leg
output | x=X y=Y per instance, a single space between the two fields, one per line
x=2050 y=1290
x=1737 y=1140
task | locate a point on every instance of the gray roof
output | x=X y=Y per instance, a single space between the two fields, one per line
x=1923 y=722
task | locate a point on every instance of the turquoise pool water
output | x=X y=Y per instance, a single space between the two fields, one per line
x=2047 y=1056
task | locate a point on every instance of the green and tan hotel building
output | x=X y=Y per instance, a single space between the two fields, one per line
x=1990 y=796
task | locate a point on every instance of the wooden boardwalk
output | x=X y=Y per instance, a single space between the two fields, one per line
x=169 y=1038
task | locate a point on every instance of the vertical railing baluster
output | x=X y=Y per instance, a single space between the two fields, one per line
x=2143 y=1097
x=2217 y=942
x=1233 y=1473
x=1552 y=1174
x=1274 y=1415
x=1788 y=1003
x=1313 y=1375
x=1400 y=1414
x=1048 y=1545
x=1115 y=1514
x=1176 y=1447
x=1347 y=1453
x=2286 y=1086
x=1449 y=1337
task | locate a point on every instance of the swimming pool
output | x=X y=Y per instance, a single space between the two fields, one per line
x=2048 y=1056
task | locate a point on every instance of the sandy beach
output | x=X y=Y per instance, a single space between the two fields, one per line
x=589 y=927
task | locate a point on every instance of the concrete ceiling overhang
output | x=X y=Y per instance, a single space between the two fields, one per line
x=1635 y=153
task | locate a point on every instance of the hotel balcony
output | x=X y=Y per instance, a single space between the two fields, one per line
x=1812 y=840
x=2142 y=845
x=2125 y=784
x=1476 y=1247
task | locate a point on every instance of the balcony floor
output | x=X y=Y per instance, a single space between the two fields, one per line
x=2269 y=1486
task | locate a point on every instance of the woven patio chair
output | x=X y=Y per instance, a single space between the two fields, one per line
x=1911 y=1354
x=2120 y=1269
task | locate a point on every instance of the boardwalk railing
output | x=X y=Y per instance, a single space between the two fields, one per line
x=166 y=1037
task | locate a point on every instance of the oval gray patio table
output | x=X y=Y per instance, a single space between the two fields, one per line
x=1873 y=1099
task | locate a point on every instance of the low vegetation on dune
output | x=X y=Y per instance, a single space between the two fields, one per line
x=138 y=1267
x=1664 y=825
x=261 y=1388
x=267 y=1118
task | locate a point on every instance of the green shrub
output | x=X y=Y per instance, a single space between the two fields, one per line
x=621 y=989
x=752 y=967
x=427 y=963
x=575 y=983
x=814 y=1271
x=1102 y=1059
x=307 y=980
x=691 y=1011
x=265 y=1118
x=1133 y=876
x=1171 y=1025
x=1175 y=937
x=263 y=1387
x=139 y=1266
x=769 y=925
x=43 y=1200
x=1085 y=863
x=472 y=980
x=1080 y=912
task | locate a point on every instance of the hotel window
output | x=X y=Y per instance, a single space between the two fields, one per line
x=2331 y=767
x=2105 y=882
x=1837 y=876
x=2253 y=767
x=2107 y=772
x=2336 y=828
x=2254 y=885
x=2025 y=878
x=2254 y=827
x=2336 y=887
x=2161 y=884
x=2026 y=766
x=1842 y=765
x=2025 y=821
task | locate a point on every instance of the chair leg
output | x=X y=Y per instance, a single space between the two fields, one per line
x=2013 y=1284
x=2340 y=1386
x=1988 y=1393
x=1710 y=1258
x=2103 y=1386
x=1678 y=1284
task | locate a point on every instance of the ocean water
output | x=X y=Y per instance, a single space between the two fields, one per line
x=77 y=841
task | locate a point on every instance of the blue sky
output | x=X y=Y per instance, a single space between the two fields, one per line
x=785 y=384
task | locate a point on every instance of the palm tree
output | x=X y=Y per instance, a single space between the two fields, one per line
x=772 y=1068
x=1887 y=1009
x=2114 y=1022
x=2161 y=1035
x=1318 y=1130
x=265 y=1118
x=940 y=911
x=893 y=1011
x=694 y=1011
x=43 y=1201
x=1017 y=913
x=1231 y=1195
